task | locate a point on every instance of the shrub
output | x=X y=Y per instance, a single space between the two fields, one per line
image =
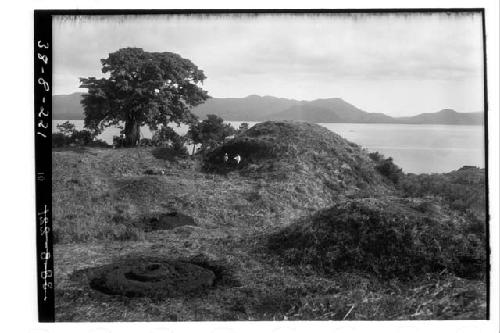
x=180 y=149
x=146 y=142
x=243 y=127
x=210 y=132
x=165 y=137
x=60 y=140
x=83 y=137
x=387 y=238
x=69 y=136
x=376 y=156
x=386 y=167
x=119 y=141
x=66 y=128
x=463 y=189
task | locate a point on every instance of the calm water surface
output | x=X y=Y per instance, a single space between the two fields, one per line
x=415 y=148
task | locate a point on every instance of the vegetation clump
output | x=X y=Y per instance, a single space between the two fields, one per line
x=463 y=189
x=68 y=135
x=209 y=133
x=386 y=167
x=390 y=238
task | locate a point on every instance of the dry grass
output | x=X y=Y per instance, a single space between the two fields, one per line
x=97 y=192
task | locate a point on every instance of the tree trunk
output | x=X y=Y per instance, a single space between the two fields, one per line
x=132 y=133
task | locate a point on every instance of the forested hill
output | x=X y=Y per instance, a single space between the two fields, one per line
x=262 y=108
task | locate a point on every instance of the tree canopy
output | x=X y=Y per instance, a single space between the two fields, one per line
x=143 y=88
x=210 y=132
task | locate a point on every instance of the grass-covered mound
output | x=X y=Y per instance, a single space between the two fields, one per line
x=391 y=238
x=150 y=278
x=463 y=189
x=295 y=150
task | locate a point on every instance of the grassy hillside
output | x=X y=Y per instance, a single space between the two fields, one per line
x=105 y=202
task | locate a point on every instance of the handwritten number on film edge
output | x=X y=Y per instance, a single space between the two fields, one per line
x=43 y=46
x=44 y=83
x=42 y=113
x=43 y=217
x=45 y=255
x=41 y=81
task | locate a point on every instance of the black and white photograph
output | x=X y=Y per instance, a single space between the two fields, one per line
x=265 y=165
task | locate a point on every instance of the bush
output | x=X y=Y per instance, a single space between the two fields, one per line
x=60 y=140
x=69 y=136
x=83 y=137
x=387 y=238
x=119 y=141
x=165 y=137
x=210 y=132
x=145 y=142
x=376 y=156
x=463 y=189
x=386 y=167
x=66 y=128
x=179 y=148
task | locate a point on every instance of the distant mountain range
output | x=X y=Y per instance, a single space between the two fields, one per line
x=262 y=108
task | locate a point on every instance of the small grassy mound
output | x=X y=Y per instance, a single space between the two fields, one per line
x=150 y=278
x=391 y=238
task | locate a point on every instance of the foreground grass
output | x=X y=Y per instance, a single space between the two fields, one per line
x=100 y=194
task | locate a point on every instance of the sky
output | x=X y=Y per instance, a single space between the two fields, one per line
x=396 y=64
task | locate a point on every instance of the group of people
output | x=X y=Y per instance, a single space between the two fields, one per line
x=237 y=158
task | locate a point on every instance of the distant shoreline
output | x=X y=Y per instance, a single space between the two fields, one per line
x=265 y=108
x=323 y=122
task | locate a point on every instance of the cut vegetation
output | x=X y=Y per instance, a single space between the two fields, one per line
x=308 y=226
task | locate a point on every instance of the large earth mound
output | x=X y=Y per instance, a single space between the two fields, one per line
x=389 y=237
x=297 y=150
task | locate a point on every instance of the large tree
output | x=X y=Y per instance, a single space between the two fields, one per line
x=143 y=88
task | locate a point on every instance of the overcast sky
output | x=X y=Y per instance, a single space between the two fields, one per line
x=396 y=64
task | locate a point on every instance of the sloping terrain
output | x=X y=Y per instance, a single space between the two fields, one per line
x=302 y=153
x=294 y=179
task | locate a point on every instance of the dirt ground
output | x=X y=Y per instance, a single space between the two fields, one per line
x=99 y=195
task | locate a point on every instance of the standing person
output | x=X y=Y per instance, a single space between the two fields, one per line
x=237 y=158
x=226 y=158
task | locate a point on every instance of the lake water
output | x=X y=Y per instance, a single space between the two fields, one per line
x=415 y=148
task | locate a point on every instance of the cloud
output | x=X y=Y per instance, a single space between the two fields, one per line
x=294 y=52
